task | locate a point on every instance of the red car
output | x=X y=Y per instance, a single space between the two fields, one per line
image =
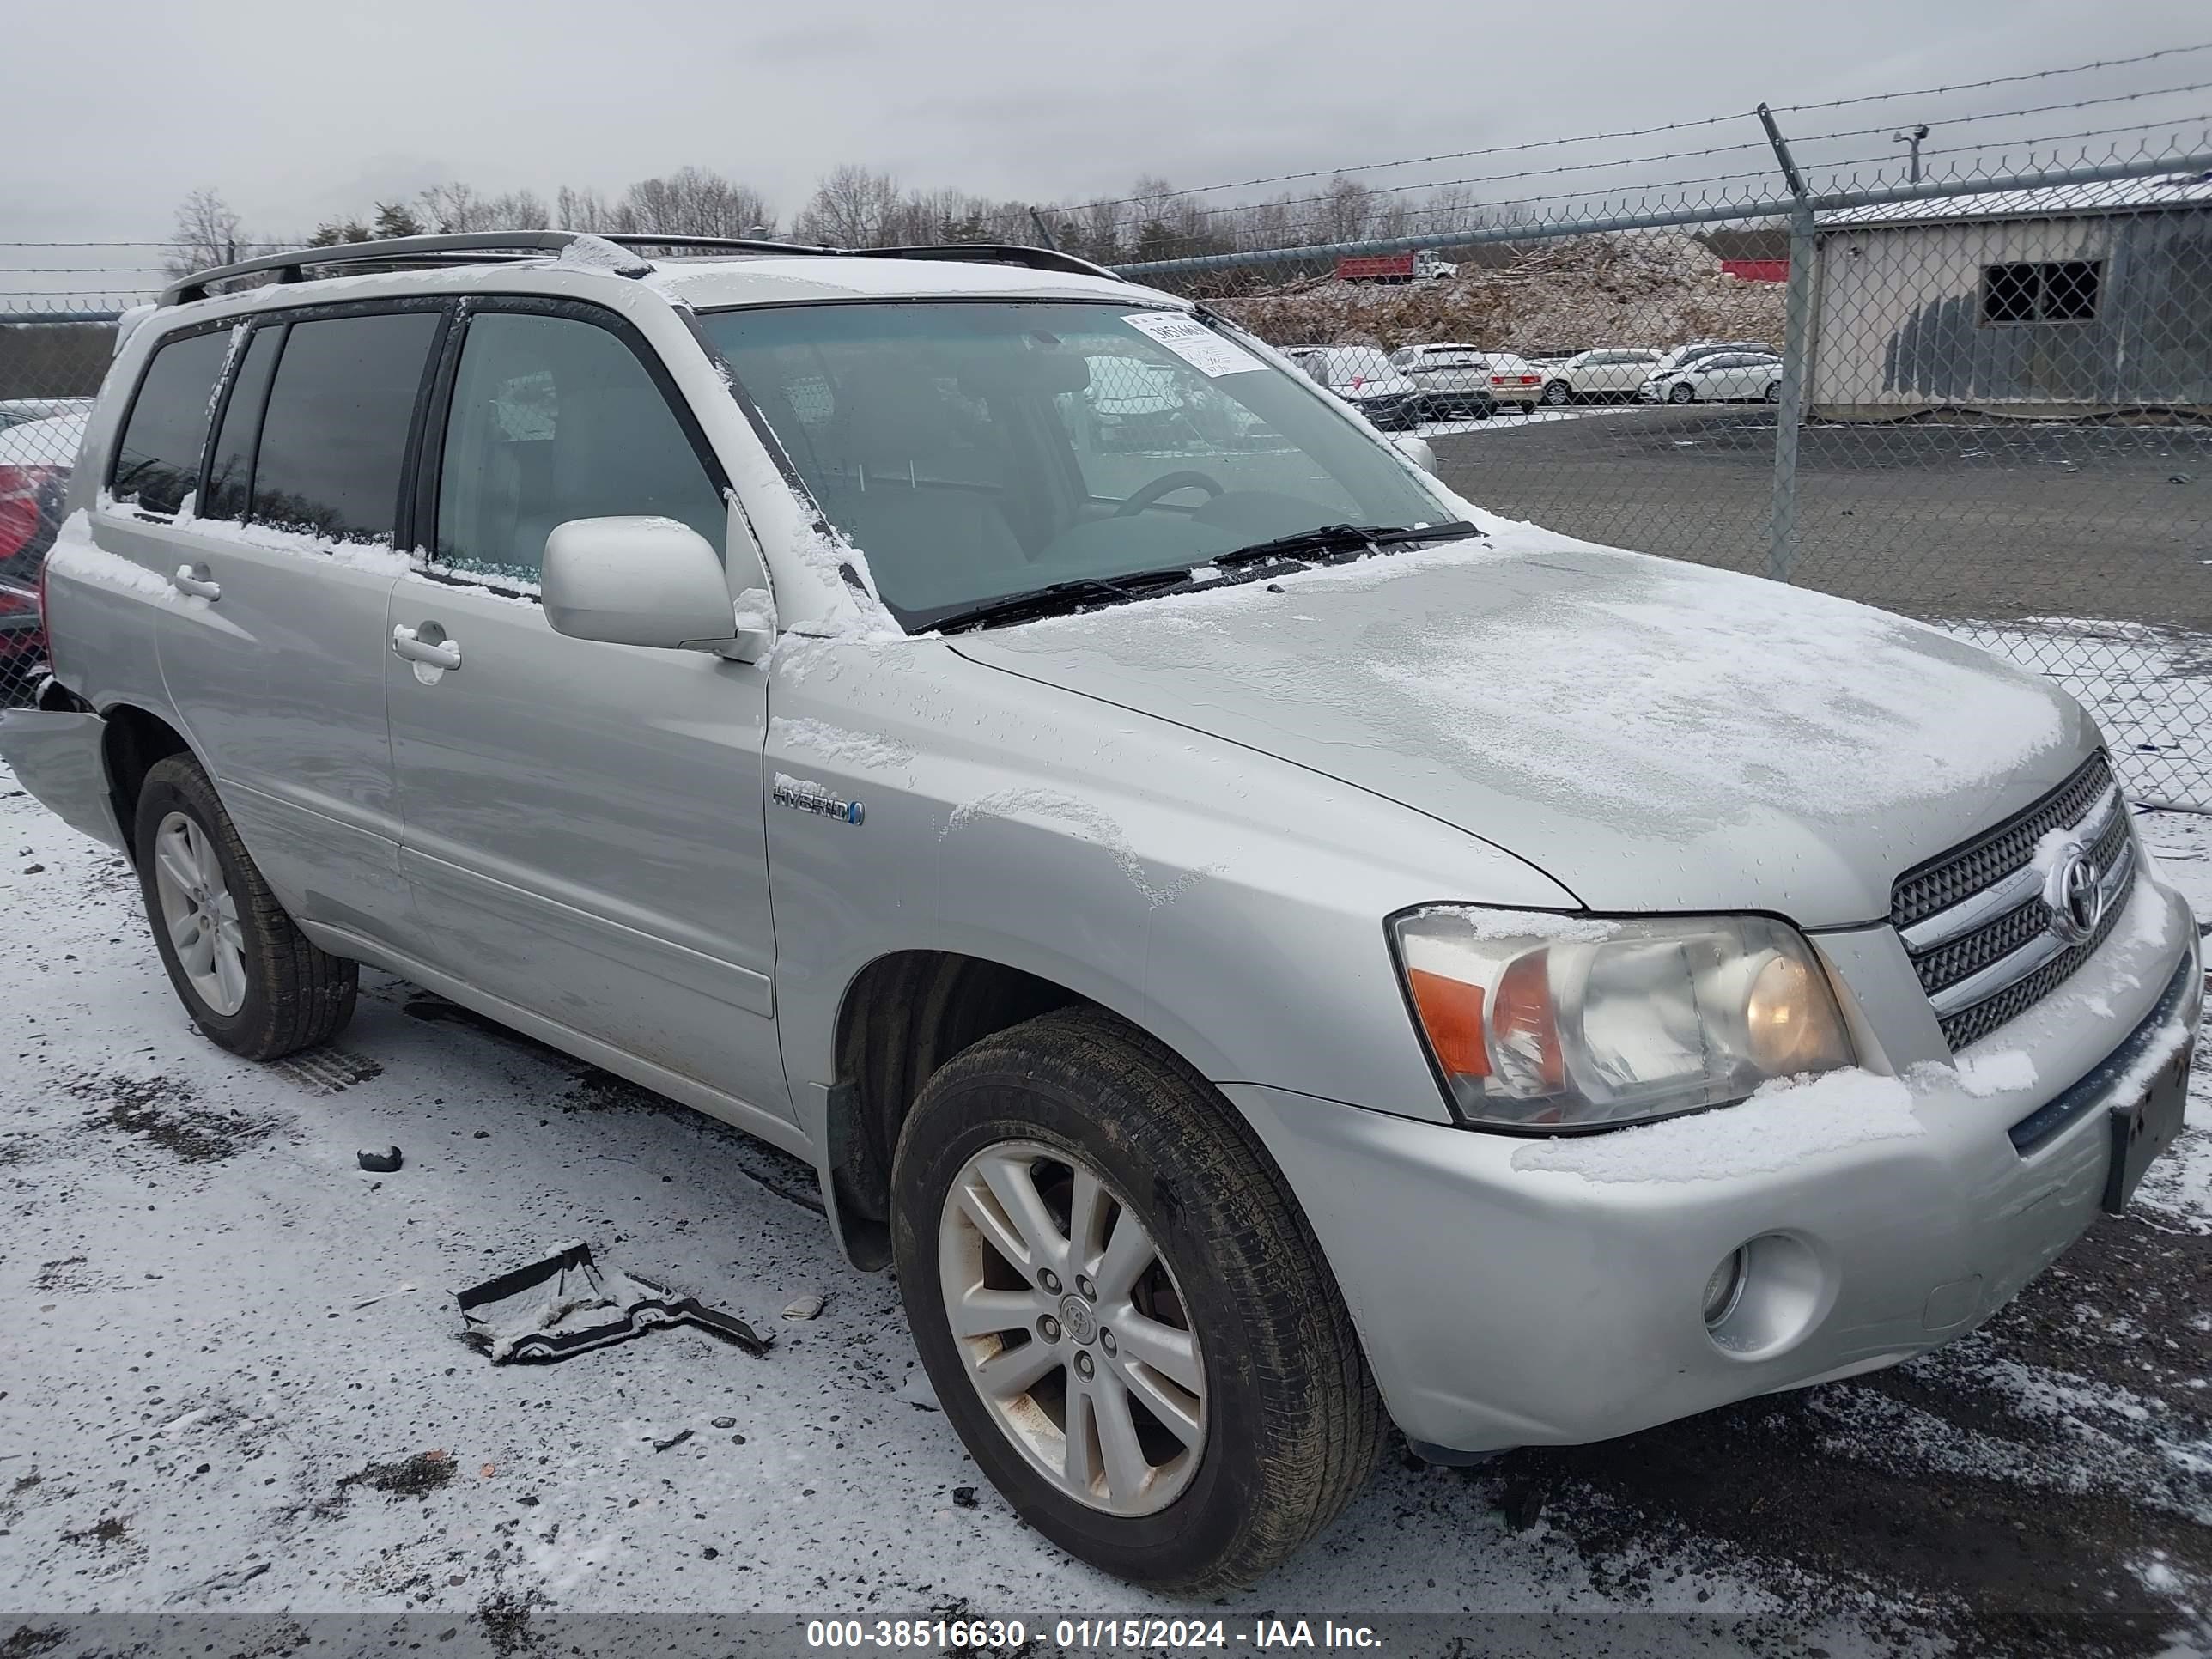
x=35 y=458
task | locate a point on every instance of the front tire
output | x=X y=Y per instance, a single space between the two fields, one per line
x=1680 y=394
x=1122 y=1312
x=245 y=972
x=1559 y=394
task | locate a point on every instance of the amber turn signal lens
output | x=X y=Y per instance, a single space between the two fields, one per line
x=1451 y=1014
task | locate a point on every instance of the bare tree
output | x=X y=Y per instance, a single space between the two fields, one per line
x=692 y=202
x=1345 y=211
x=851 y=207
x=206 y=234
x=457 y=210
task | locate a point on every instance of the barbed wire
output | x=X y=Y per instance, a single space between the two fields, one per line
x=1643 y=132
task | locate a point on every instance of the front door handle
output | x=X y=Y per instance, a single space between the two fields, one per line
x=442 y=653
x=193 y=580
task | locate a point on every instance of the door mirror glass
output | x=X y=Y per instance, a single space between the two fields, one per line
x=651 y=581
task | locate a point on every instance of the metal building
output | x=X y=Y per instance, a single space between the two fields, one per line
x=2076 y=299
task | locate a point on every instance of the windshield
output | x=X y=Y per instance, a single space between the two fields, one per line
x=974 y=450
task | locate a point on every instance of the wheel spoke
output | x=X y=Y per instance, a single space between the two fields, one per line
x=1128 y=1252
x=174 y=861
x=1126 y=1469
x=1012 y=1371
x=982 y=1211
x=1086 y=1214
x=1177 y=1410
x=1171 y=1353
x=1081 y=1464
x=204 y=862
x=229 y=978
x=983 y=1312
x=1015 y=1191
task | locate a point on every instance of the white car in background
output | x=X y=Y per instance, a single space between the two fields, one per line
x=1367 y=380
x=1725 y=377
x=1608 y=374
x=1455 y=378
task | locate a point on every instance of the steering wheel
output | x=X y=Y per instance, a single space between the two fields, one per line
x=1167 y=485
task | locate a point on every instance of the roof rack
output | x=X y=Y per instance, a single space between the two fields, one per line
x=617 y=250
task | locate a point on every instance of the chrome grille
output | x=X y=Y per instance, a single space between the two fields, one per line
x=1942 y=882
x=1974 y=922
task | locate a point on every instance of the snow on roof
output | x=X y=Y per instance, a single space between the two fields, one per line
x=702 y=283
x=706 y=284
x=2056 y=201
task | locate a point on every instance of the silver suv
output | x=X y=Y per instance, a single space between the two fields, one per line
x=1267 y=950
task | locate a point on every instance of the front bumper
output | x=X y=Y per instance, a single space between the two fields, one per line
x=1503 y=1306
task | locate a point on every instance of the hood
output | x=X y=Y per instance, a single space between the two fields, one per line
x=1655 y=736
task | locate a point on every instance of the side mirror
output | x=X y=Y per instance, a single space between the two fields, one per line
x=1417 y=451
x=647 y=581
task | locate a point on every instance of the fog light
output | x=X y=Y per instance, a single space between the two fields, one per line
x=1724 y=1288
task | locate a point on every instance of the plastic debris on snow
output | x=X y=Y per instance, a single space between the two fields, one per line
x=568 y=1304
x=1778 y=1127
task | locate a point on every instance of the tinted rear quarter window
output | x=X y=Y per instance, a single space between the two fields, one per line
x=157 y=461
x=230 y=469
x=335 y=436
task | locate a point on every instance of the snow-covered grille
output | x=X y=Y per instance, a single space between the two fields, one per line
x=1975 y=922
x=1961 y=873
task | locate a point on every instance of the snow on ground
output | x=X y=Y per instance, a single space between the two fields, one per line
x=233 y=1380
x=226 y=1335
x=2135 y=679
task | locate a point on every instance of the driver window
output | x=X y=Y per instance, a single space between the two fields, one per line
x=555 y=419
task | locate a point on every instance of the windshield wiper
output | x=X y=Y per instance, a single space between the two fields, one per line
x=1344 y=539
x=1055 y=597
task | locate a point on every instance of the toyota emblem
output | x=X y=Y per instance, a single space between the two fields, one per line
x=2074 y=892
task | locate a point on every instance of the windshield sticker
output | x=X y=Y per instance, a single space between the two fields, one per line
x=1193 y=342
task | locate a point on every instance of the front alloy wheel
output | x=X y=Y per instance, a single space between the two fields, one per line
x=1126 y=1318
x=1073 y=1329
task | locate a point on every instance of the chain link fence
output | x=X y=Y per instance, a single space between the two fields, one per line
x=50 y=362
x=1971 y=387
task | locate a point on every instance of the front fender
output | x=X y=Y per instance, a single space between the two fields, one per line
x=1229 y=903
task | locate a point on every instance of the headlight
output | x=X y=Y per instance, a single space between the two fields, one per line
x=1546 y=1022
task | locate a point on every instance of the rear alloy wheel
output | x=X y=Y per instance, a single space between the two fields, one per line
x=1774 y=391
x=248 y=977
x=1559 y=394
x=1680 y=392
x=1123 y=1313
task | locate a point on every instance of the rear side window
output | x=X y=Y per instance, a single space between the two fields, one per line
x=335 y=436
x=157 y=463
x=230 y=469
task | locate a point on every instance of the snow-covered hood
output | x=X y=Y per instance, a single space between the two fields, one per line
x=1655 y=736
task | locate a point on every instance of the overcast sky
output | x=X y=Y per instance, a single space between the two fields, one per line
x=298 y=112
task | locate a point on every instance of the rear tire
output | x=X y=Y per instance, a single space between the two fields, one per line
x=1285 y=1423
x=263 y=990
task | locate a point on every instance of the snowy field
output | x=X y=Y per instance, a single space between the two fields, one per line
x=231 y=1380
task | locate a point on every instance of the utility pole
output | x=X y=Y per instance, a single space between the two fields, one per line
x=1911 y=136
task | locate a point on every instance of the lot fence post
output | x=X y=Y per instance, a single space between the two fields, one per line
x=1797 y=332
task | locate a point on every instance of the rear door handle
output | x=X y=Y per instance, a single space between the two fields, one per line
x=193 y=580
x=444 y=653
